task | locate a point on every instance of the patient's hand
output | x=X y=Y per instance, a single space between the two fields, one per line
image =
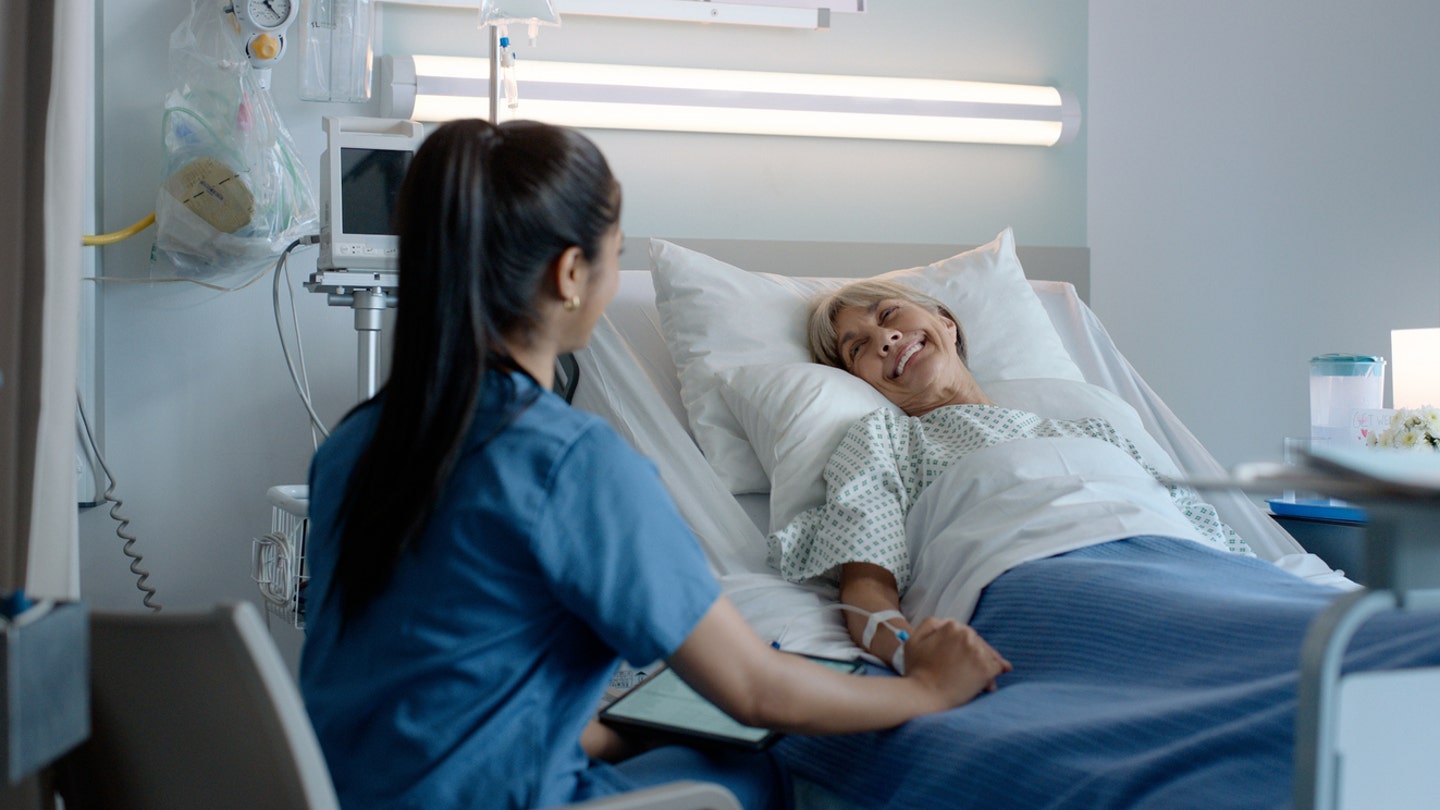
x=952 y=659
x=602 y=742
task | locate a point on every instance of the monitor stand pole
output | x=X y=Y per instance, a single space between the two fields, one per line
x=368 y=305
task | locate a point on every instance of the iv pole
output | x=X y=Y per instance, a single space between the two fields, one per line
x=494 y=73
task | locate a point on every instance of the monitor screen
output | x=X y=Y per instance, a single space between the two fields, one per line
x=369 y=183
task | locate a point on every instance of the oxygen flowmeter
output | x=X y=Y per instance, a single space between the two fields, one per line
x=263 y=22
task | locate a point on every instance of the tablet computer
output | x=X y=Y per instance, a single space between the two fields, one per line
x=665 y=706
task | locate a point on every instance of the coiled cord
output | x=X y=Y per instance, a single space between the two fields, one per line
x=121 y=530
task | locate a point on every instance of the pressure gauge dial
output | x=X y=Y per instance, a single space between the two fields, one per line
x=263 y=24
x=266 y=15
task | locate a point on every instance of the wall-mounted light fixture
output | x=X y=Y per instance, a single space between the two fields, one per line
x=440 y=88
x=812 y=14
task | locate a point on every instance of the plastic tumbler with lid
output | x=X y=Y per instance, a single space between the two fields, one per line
x=1340 y=385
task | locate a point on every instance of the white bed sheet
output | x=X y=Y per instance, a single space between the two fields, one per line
x=628 y=377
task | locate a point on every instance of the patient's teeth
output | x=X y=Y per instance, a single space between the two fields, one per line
x=905 y=358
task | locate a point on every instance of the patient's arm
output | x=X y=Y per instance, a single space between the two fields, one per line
x=872 y=588
x=726 y=662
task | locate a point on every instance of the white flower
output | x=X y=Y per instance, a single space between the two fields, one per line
x=1431 y=417
x=1410 y=430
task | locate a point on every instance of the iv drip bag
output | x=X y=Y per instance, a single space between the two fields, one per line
x=532 y=13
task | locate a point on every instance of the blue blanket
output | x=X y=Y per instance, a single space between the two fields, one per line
x=1149 y=673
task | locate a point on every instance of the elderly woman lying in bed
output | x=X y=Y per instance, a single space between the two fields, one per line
x=1071 y=484
x=1154 y=657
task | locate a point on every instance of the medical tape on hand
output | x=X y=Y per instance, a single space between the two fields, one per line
x=897 y=662
x=874 y=622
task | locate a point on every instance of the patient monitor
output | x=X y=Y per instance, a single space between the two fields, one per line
x=360 y=173
x=364 y=162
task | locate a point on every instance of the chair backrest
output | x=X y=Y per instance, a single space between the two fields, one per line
x=196 y=709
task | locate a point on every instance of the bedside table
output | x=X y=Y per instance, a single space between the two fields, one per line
x=1340 y=543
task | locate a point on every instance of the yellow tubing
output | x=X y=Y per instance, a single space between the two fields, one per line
x=126 y=233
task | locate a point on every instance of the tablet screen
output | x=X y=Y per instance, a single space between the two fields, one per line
x=664 y=704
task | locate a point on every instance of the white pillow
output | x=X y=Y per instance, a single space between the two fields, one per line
x=717 y=317
x=797 y=414
x=794 y=415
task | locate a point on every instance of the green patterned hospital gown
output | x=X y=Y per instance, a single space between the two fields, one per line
x=887 y=459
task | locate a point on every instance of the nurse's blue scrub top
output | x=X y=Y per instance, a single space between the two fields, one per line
x=554 y=551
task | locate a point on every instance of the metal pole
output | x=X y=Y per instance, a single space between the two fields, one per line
x=368 y=306
x=494 y=74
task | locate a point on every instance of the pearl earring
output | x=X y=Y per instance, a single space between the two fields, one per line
x=572 y=303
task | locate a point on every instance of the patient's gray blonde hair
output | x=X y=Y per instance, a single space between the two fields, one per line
x=825 y=342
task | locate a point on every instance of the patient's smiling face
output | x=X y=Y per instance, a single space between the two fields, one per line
x=907 y=352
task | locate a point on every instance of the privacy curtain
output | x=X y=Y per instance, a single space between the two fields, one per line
x=46 y=71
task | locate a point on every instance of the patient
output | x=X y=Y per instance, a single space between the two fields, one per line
x=910 y=348
x=1152 y=665
x=482 y=555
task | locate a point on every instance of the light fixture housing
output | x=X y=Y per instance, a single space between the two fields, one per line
x=441 y=88
x=811 y=14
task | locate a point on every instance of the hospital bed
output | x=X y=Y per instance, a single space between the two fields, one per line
x=684 y=313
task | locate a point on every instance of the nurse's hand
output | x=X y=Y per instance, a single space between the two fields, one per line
x=952 y=659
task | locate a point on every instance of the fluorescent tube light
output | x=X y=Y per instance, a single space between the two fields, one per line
x=439 y=88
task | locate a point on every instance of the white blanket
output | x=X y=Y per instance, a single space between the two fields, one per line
x=1025 y=500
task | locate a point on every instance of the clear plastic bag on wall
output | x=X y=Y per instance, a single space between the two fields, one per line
x=235 y=192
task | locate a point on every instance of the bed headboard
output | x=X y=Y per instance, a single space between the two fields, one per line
x=858 y=259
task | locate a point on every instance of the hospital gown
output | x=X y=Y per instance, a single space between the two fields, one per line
x=887 y=460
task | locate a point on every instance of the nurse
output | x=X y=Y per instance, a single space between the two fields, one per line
x=482 y=555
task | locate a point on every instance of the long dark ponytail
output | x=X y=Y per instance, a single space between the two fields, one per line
x=482 y=213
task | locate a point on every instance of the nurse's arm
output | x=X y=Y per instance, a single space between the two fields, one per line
x=599 y=741
x=947 y=664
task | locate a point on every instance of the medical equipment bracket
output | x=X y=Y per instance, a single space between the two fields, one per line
x=368 y=293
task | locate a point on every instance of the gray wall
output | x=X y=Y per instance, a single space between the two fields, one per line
x=1264 y=186
x=196 y=409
